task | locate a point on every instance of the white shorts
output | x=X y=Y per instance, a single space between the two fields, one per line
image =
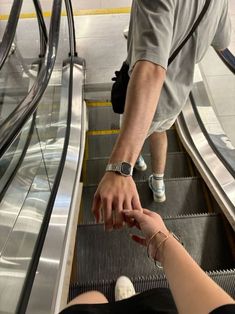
x=161 y=126
x=157 y=126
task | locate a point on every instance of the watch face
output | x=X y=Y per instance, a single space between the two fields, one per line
x=126 y=168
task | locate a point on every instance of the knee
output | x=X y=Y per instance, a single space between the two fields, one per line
x=90 y=297
x=159 y=135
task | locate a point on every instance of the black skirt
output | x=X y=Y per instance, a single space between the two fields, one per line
x=154 y=301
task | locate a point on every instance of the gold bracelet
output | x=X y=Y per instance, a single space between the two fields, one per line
x=158 y=264
x=153 y=236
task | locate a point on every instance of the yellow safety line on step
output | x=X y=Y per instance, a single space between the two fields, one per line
x=86 y=153
x=98 y=104
x=76 y=13
x=103 y=132
x=122 y=10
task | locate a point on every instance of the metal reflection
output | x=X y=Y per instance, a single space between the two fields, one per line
x=48 y=283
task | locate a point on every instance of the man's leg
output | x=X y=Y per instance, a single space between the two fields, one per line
x=158 y=149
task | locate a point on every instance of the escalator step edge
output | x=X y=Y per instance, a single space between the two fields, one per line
x=98 y=252
x=225 y=279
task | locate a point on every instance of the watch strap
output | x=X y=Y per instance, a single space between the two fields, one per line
x=118 y=167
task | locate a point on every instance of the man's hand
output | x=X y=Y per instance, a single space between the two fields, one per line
x=115 y=193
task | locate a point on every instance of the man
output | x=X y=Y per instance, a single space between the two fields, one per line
x=156 y=94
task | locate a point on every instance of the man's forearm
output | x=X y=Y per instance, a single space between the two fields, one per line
x=142 y=97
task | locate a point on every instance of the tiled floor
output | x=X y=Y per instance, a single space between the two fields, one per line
x=232 y=14
x=220 y=83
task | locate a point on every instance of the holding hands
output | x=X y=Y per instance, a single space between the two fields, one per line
x=114 y=194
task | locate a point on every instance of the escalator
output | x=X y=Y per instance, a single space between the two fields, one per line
x=48 y=238
x=190 y=211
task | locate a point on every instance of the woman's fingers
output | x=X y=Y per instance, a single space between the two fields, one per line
x=138 y=239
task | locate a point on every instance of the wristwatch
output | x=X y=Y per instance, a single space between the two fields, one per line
x=123 y=168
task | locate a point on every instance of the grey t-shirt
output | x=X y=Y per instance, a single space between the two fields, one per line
x=157 y=28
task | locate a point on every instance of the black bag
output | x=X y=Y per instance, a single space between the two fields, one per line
x=119 y=88
x=121 y=80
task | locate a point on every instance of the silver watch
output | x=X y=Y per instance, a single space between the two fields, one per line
x=124 y=168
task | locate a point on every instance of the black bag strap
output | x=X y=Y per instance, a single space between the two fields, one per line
x=200 y=17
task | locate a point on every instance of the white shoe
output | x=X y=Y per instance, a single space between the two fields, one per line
x=140 y=164
x=124 y=288
x=159 y=195
x=125 y=32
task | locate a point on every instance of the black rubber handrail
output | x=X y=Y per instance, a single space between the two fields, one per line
x=212 y=144
x=15 y=121
x=72 y=37
x=42 y=28
x=10 y=30
x=228 y=58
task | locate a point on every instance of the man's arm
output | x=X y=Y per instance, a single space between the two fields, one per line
x=116 y=192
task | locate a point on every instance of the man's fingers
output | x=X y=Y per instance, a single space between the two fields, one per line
x=139 y=240
x=96 y=206
x=117 y=213
x=127 y=205
x=136 y=203
x=107 y=214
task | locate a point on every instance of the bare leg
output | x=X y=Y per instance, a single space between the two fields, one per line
x=158 y=148
x=91 y=297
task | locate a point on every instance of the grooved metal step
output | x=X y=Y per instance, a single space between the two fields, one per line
x=224 y=279
x=177 y=165
x=99 y=257
x=183 y=196
x=100 y=145
x=102 y=118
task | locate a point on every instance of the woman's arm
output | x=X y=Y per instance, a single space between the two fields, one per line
x=193 y=291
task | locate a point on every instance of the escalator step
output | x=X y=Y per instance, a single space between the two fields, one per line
x=100 y=143
x=224 y=279
x=177 y=165
x=107 y=255
x=102 y=117
x=184 y=196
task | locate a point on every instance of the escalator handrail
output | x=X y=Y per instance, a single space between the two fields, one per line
x=42 y=28
x=221 y=155
x=72 y=37
x=228 y=58
x=71 y=61
x=10 y=30
x=16 y=120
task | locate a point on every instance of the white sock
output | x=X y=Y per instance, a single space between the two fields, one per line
x=158 y=181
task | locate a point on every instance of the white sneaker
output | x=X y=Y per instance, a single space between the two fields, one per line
x=124 y=288
x=159 y=195
x=140 y=164
x=125 y=32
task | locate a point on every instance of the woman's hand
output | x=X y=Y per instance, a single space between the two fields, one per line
x=149 y=223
